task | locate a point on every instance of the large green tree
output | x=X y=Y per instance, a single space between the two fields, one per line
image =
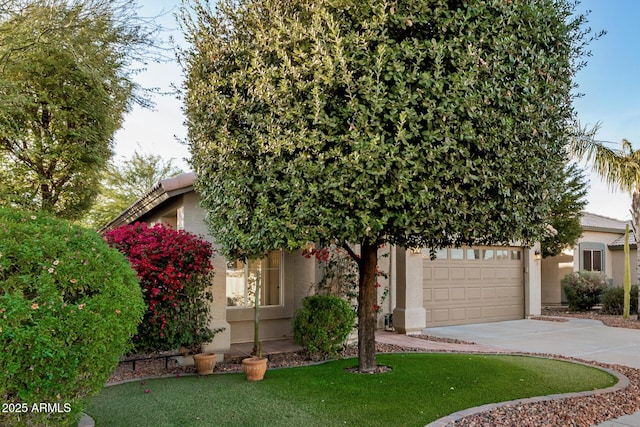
x=66 y=80
x=411 y=122
x=125 y=182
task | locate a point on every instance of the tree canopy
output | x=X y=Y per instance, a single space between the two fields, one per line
x=416 y=123
x=66 y=81
x=568 y=201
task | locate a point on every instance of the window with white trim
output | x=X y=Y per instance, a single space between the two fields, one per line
x=241 y=281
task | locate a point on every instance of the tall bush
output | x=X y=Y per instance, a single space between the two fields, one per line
x=613 y=300
x=584 y=289
x=68 y=307
x=175 y=271
x=322 y=325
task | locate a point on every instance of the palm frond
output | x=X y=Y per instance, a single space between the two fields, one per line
x=620 y=168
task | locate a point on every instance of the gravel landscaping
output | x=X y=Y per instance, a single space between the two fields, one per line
x=583 y=411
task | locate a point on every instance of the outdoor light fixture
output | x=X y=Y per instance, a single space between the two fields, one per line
x=536 y=255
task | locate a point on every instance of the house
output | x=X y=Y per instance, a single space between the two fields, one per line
x=461 y=285
x=600 y=248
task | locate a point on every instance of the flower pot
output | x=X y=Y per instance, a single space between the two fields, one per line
x=254 y=368
x=204 y=363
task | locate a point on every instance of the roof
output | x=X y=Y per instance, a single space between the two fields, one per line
x=594 y=222
x=619 y=242
x=162 y=191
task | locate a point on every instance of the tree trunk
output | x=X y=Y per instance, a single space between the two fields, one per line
x=367 y=297
x=635 y=222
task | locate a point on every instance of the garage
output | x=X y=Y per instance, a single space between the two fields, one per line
x=473 y=285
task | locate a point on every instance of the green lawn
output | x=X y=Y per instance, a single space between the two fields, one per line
x=422 y=387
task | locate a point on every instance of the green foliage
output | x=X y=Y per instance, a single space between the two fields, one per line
x=568 y=201
x=68 y=306
x=365 y=121
x=584 y=289
x=322 y=325
x=613 y=300
x=125 y=182
x=419 y=123
x=67 y=81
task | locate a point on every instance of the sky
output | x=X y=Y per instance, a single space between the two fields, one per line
x=609 y=84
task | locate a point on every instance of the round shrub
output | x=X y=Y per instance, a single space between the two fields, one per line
x=613 y=300
x=322 y=325
x=175 y=272
x=68 y=307
x=583 y=289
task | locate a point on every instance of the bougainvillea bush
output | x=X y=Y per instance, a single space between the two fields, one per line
x=69 y=305
x=174 y=268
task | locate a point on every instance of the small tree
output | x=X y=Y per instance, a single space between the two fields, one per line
x=174 y=268
x=568 y=201
x=413 y=123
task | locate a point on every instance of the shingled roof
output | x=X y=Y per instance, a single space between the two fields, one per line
x=158 y=194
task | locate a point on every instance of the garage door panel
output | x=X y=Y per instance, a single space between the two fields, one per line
x=474 y=293
x=441 y=315
x=472 y=290
x=474 y=273
x=458 y=314
x=441 y=273
x=458 y=294
x=488 y=273
x=441 y=294
x=457 y=273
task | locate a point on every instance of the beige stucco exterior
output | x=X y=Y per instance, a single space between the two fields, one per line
x=599 y=233
x=175 y=203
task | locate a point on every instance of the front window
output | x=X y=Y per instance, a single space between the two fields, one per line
x=241 y=281
x=592 y=260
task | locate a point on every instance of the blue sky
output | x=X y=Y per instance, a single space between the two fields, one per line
x=610 y=84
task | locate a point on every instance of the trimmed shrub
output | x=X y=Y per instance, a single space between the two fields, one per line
x=322 y=325
x=613 y=300
x=175 y=272
x=68 y=307
x=584 y=289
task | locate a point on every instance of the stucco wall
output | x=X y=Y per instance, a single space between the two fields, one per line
x=553 y=270
x=617 y=273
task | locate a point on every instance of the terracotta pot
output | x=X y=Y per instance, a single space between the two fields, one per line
x=254 y=368
x=204 y=363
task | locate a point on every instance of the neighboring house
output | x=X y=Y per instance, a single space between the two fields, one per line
x=462 y=285
x=600 y=248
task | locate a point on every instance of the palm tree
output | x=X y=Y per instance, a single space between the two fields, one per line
x=620 y=168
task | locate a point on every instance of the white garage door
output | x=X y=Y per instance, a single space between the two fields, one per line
x=474 y=285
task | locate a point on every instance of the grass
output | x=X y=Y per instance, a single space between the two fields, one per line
x=421 y=388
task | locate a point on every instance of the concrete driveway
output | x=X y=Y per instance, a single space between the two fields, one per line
x=580 y=338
